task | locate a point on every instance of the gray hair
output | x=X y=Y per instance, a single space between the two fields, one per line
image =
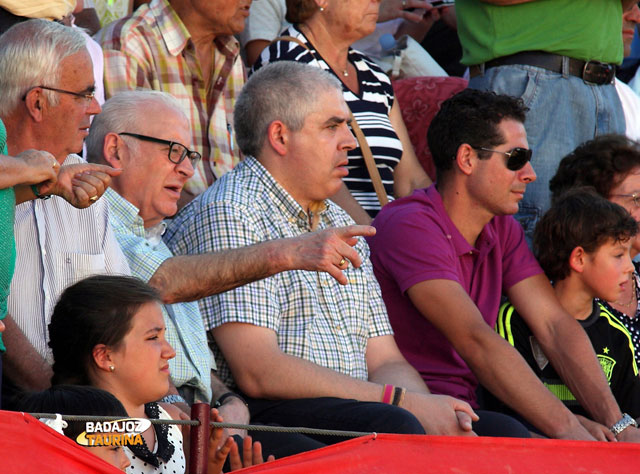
x=30 y=56
x=123 y=113
x=286 y=91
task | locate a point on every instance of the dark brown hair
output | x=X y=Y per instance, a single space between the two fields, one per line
x=96 y=310
x=578 y=218
x=299 y=11
x=602 y=163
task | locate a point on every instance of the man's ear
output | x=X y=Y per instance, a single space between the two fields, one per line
x=577 y=259
x=113 y=150
x=102 y=357
x=466 y=158
x=278 y=135
x=35 y=102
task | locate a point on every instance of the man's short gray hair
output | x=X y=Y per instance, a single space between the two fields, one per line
x=123 y=113
x=285 y=90
x=30 y=56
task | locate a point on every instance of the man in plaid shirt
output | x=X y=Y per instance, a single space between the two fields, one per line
x=305 y=350
x=187 y=49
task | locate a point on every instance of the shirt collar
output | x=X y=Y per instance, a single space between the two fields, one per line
x=283 y=199
x=125 y=212
x=485 y=241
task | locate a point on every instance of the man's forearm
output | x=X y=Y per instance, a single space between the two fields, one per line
x=401 y=374
x=573 y=357
x=192 y=277
x=22 y=363
x=502 y=370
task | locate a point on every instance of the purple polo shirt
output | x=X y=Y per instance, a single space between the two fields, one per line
x=417 y=241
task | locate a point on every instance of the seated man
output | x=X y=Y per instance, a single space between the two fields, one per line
x=306 y=350
x=582 y=243
x=445 y=255
x=122 y=136
x=187 y=49
x=46 y=102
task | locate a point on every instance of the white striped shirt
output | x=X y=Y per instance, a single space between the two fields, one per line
x=56 y=246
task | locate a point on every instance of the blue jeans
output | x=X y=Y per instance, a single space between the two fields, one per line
x=564 y=112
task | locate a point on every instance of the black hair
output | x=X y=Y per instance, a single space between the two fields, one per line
x=72 y=400
x=470 y=117
x=602 y=163
x=578 y=218
x=96 y=310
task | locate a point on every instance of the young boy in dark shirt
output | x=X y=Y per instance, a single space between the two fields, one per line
x=583 y=244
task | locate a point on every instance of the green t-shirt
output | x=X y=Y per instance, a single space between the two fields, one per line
x=7 y=240
x=581 y=29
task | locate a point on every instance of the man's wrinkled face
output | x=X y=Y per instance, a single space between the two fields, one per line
x=226 y=17
x=150 y=181
x=66 y=125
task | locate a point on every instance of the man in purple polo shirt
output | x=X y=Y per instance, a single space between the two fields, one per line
x=446 y=254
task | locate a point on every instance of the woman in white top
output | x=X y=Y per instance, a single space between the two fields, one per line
x=109 y=332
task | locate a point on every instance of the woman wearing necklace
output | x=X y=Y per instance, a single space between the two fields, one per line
x=611 y=165
x=108 y=332
x=322 y=33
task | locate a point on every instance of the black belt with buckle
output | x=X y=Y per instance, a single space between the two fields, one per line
x=593 y=72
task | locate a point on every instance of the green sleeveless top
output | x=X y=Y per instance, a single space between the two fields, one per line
x=7 y=240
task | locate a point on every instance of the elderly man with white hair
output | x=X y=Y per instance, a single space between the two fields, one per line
x=46 y=102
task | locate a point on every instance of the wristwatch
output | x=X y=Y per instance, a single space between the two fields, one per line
x=623 y=424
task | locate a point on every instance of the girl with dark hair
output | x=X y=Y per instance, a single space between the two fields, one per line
x=78 y=400
x=108 y=332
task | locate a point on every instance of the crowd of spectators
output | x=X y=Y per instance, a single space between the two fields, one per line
x=218 y=201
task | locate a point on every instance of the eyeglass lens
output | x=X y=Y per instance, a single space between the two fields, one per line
x=518 y=158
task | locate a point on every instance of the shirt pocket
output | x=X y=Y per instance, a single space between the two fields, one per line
x=70 y=268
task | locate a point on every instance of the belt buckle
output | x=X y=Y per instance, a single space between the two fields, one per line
x=597 y=73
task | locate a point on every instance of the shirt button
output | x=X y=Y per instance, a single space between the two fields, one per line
x=448 y=236
x=68 y=260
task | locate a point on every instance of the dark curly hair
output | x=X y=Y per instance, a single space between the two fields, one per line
x=471 y=117
x=578 y=218
x=96 y=310
x=602 y=163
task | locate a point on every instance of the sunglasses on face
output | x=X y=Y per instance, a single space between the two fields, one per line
x=516 y=158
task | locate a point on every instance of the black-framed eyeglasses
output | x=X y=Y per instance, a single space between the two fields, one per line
x=635 y=197
x=516 y=158
x=177 y=151
x=87 y=96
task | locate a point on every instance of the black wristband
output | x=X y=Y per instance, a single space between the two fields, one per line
x=220 y=401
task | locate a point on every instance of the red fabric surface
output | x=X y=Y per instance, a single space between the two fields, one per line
x=420 y=99
x=438 y=454
x=30 y=447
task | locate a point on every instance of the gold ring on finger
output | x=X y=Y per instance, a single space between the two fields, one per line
x=342 y=262
x=93 y=198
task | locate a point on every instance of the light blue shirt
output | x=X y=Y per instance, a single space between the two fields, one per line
x=185 y=330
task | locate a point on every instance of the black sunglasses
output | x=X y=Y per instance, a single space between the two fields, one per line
x=516 y=158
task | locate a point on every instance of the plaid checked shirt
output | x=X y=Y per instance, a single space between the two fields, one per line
x=315 y=317
x=152 y=49
x=192 y=364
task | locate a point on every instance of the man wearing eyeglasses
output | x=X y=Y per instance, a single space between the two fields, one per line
x=446 y=254
x=157 y=163
x=46 y=102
